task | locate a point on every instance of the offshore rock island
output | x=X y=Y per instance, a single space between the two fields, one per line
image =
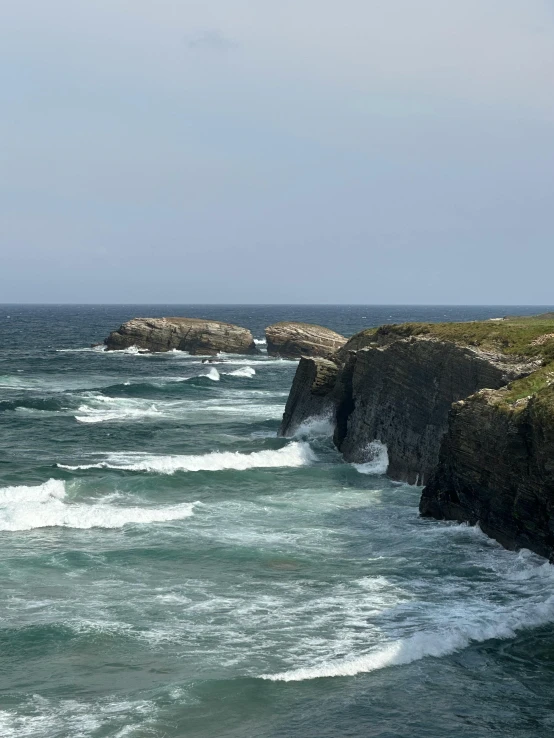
x=464 y=408
x=194 y=335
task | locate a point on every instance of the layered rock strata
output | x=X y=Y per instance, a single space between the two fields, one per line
x=291 y=340
x=496 y=468
x=200 y=337
x=398 y=392
x=311 y=394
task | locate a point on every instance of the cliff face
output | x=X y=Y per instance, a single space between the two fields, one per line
x=185 y=334
x=293 y=340
x=489 y=460
x=496 y=467
x=311 y=395
x=401 y=395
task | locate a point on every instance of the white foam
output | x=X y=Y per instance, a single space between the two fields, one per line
x=245 y=371
x=213 y=374
x=316 y=426
x=292 y=455
x=87 y=349
x=46 y=506
x=101 y=409
x=378 y=460
x=492 y=623
x=260 y=342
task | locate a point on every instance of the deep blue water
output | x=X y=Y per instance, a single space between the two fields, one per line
x=169 y=567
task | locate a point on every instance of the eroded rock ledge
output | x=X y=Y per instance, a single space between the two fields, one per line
x=185 y=334
x=292 y=340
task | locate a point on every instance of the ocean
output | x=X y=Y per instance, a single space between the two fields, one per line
x=170 y=568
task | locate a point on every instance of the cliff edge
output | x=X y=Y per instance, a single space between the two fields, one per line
x=496 y=465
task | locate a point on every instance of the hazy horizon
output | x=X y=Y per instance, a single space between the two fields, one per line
x=313 y=152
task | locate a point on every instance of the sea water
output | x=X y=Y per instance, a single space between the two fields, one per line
x=171 y=568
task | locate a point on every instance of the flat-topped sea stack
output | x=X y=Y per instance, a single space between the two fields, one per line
x=197 y=336
x=291 y=340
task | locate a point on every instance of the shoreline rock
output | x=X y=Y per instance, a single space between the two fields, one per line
x=197 y=336
x=291 y=340
x=496 y=469
x=465 y=408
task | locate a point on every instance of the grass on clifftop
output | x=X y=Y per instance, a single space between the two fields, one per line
x=528 y=336
x=530 y=385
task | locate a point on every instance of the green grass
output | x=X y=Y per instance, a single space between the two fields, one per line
x=534 y=383
x=512 y=335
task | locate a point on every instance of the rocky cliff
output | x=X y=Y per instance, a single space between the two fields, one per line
x=401 y=394
x=185 y=334
x=311 y=394
x=293 y=340
x=496 y=465
x=396 y=384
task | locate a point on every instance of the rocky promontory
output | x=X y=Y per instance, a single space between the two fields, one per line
x=466 y=408
x=290 y=340
x=197 y=336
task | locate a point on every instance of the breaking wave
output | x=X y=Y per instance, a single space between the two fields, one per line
x=493 y=623
x=315 y=427
x=245 y=371
x=378 y=460
x=46 y=506
x=292 y=455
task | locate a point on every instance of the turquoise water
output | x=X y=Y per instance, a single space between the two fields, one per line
x=169 y=567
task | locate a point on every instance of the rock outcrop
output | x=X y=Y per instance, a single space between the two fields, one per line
x=200 y=337
x=293 y=340
x=489 y=457
x=496 y=466
x=401 y=395
x=311 y=395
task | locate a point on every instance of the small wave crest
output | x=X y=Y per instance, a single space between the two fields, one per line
x=244 y=371
x=495 y=623
x=260 y=342
x=315 y=427
x=293 y=455
x=378 y=460
x=46 y=506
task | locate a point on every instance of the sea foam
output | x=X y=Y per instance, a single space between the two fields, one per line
x=378 y=460
x=490 y=623
x=292 y=455
x=46 y=506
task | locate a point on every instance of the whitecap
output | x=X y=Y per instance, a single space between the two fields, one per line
x=213 y=374
x=293 y=455
x=46 y=506
x=378 y=460
x=260 y=342
x=245 y=371
x=491 y=623
x=315 y=427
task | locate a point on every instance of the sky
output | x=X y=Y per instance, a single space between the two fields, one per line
x=306 y=151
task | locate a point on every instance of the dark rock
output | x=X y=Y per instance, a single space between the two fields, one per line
x=496 y=469
x=401 y=395
x=293 y=340
x=185 y=334
x=311 y=394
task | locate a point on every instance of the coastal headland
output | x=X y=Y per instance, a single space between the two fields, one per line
x=465 y=410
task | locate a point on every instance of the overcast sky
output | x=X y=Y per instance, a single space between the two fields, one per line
x=354 y=151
